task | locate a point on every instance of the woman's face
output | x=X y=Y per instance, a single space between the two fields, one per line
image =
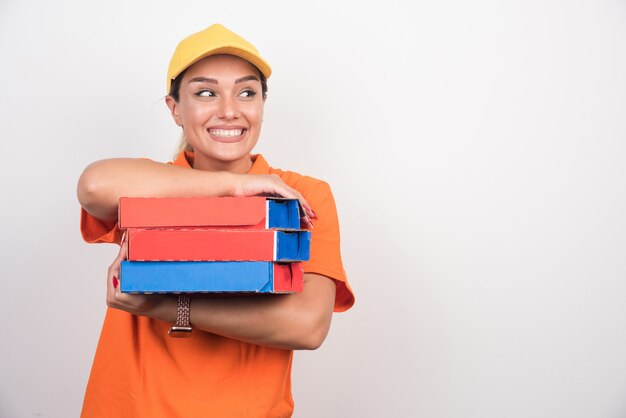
x=220 y=108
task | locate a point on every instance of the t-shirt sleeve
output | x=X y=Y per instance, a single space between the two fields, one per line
x=325 y=245
x=95 y=230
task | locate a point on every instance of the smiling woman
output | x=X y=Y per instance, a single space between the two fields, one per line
x=239 y=364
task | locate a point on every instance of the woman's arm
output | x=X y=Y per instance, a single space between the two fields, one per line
x=103 y=182
x=293 y=322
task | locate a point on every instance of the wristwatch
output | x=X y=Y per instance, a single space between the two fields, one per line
x=182 y=327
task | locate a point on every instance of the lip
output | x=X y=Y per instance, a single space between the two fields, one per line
x=227 y=139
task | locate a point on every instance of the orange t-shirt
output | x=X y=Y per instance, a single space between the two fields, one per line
x=139 y=371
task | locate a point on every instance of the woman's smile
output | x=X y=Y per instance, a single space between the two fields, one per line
x=227 y=135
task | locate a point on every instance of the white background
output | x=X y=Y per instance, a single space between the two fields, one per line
x=476 y=152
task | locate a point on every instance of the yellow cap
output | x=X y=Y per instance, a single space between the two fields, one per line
x=215 y=39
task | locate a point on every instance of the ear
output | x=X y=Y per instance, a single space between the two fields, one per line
x=174 y=109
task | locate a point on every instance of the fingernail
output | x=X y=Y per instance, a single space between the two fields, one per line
x=306 y=221
x=115 y=282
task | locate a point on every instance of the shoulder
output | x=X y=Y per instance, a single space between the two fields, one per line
x=307 y=185
x=317 y=192
x=319 y=195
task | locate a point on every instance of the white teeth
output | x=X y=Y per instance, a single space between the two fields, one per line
x=226 y=133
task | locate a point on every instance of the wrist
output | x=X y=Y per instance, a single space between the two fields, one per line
x=233 y=184
x=165 y=310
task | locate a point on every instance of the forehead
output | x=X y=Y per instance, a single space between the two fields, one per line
x=222 y=66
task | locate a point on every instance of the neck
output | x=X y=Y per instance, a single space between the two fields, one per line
x=240 y=166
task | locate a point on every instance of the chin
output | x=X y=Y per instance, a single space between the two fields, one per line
x=222 y=157
x=231 y=155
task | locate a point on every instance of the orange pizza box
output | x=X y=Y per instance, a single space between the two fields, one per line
x=254 y=212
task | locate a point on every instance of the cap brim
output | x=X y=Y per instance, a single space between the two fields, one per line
x=235 y=50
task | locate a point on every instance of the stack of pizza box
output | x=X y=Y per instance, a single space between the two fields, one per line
x=213 y=244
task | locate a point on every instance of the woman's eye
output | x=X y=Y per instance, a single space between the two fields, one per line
x=205 y=93
x=247 y=93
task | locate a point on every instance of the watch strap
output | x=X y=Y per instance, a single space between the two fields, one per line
x=182 y=327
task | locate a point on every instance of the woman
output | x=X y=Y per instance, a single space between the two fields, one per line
x=238 y=362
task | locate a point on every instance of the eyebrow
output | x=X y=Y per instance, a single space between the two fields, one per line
x=203 y=80
x=247 y=78
x=214 y=81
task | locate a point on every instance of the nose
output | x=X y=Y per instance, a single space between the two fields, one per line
x=228 y=108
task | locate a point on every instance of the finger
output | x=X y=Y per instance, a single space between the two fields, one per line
x=124 y=247
x=290 y=193
x=113 y=276
x=115 y=297
x=307 y=209
x=307 y=222
x=112 y=285
x=121 y=255
x=294 y=194
x=305 y=205
x=310 y=212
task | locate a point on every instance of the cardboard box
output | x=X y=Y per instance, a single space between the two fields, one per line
x=217 y=245
x=210 y=277
x=254 y=212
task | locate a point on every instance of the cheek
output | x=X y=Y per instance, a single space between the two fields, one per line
x=256 y=115
x=194 y=114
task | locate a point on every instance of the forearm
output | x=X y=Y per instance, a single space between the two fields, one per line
x=104 y=182
x=296 y=321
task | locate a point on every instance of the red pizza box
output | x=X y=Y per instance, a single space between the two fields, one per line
x=254 y=212
x=217 y=245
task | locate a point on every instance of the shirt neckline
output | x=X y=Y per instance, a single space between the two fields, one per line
x=259 y=164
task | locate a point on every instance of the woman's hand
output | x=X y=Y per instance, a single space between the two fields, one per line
x=272 y=185
x=135 y=304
